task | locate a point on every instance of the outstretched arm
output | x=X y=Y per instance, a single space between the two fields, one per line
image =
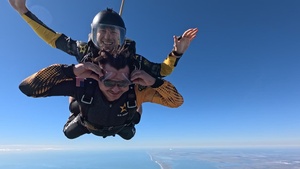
x=51 y=37
x=182 y=43
x=180 y=46
x=58 y=79
x=41 y=83
x=158 y=91
x=166 y=94
x=44 y=32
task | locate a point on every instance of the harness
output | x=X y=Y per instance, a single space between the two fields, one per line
x=87 y=99
x=87 y=95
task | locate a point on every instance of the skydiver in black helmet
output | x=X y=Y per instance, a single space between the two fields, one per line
x=107 y=33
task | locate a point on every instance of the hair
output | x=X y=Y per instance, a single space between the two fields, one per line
x=119 y=58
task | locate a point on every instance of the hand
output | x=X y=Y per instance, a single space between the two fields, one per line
x=142 y=78
x=88 y=70
x=181 y=45
x=19 y=5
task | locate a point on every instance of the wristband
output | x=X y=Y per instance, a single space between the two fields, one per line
x=69 y=70
x=176 y=53
x=158 y=82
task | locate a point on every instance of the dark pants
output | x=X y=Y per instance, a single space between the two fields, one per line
x=127 y=132
x=74 y=128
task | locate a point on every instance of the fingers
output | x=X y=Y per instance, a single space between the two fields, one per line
x=88 y=70
x=175 y=41
x=94 y=68
x=137 y=77
x=136 y=74
x=94 y=76
x=190 y=33
x=142 y=78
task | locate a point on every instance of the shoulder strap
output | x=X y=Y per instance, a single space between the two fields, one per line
x=89 y=89
x=131 y=104
x=87 y=95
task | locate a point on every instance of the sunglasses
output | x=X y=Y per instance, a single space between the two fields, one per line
x=113 y=83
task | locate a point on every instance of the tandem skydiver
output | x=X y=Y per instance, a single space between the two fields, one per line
x=109 y=95
x=107 y=33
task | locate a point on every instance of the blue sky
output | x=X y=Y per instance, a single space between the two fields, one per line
x=240 y=77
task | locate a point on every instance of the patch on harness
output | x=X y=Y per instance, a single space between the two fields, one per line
x=79 y=82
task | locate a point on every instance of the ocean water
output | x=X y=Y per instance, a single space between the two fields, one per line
x=77 y=160
x=153 y=159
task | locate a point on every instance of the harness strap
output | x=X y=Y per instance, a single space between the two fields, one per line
x=88 y=96
x=140 y=63
x=104 y=128
x=131 y=104
x=87 y=99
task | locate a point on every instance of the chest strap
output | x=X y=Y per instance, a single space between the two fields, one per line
x=89 y=90
x=88 y=87
x=87 y=99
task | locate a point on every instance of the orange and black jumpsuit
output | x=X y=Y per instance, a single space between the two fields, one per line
x=101 y=117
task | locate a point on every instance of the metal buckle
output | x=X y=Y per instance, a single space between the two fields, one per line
x=86 y=102
x=128 y=106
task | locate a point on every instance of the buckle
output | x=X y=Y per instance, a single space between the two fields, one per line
x=128 y=106
x=85 y=101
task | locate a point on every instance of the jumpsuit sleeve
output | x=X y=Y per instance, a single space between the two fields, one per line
x=55 y=39
x=55 y=80
x=166 y=94
x=158 y=69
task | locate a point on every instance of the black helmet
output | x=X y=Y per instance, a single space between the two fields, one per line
x=107 y=18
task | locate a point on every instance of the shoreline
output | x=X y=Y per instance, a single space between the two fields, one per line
x=161 y=167
x=161 y=164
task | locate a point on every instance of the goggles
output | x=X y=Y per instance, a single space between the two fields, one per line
x=112 y=83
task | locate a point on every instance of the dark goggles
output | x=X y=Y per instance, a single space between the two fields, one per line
x=113 y=83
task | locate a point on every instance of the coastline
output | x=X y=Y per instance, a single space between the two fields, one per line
x=161 y=164
x=161 y=167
